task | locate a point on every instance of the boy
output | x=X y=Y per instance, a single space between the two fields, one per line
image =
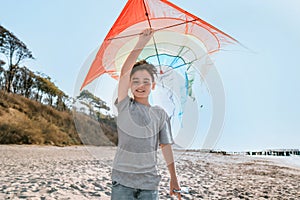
x=141 y=128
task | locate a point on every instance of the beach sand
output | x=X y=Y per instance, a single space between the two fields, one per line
x=47 y=172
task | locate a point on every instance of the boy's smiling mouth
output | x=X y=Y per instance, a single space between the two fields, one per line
x=140 y=91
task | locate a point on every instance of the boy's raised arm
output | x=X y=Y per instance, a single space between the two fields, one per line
x=130 y=61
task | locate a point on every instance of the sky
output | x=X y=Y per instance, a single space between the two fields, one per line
x=261 y=81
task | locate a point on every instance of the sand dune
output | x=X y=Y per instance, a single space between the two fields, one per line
x=46 y=172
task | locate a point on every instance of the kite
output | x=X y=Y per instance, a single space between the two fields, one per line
x=180 y=48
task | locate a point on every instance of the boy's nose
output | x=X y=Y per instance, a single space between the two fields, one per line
x=142 y=85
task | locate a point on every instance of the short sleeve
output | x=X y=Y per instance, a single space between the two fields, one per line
x=165 y=133
x=122 y=105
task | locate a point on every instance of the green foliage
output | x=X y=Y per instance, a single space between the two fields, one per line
x=20 y=80
x=89 y=99
x=15 y=51
x=23 y=82
x=45 y=86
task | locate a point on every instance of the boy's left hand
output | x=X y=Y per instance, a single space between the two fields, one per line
x=174 y=186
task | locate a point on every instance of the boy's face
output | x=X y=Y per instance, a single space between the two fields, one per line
x=141 y=84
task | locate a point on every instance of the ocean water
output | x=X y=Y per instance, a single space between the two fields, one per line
x=289 y=161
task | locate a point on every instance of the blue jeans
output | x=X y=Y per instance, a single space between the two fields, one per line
x=121 y=192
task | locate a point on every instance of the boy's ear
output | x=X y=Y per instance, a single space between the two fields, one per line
x=153 y=85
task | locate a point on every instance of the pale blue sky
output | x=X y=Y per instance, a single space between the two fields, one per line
x=262 y=88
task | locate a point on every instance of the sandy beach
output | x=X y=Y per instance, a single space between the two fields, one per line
x=47 y=172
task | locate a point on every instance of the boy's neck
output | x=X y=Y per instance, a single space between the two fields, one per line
x=143 y=101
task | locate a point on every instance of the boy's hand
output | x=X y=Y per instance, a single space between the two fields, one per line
x=174 y=186
x=144 y=38
x=148 y=32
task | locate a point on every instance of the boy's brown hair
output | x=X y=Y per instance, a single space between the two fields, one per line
x=144 y=65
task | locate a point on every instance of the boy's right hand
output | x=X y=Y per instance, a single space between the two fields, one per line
x=147 y=32
x=145 y=36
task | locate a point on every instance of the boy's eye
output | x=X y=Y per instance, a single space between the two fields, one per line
x=139 y=83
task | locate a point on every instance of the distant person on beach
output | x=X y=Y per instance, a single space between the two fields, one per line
x=141 y=129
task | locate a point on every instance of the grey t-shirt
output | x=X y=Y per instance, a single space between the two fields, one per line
x=141 y=129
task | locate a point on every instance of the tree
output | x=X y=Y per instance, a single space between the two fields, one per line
x=91 y=101
x=62 y=98
x=46 y=91
x=15 y=51
x=27 y=77
x=23 y=82
x=2 y=71
x=50 y=89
